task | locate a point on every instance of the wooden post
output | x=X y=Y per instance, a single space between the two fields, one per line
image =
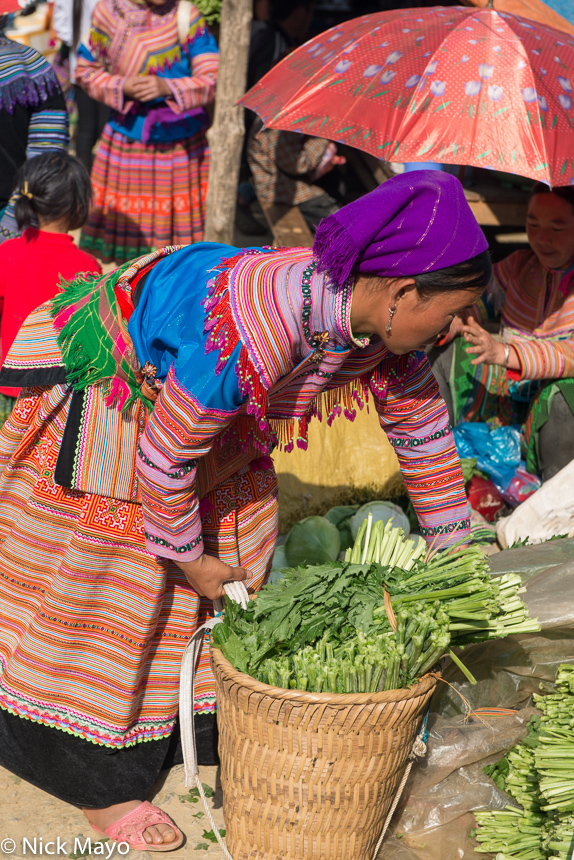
x=226 y=134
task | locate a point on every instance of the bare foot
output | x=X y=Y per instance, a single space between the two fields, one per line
x=102 y=818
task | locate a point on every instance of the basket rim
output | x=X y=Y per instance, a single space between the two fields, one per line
x=420 y=687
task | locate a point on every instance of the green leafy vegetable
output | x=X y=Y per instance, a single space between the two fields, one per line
x=312 y=541
x=327 y=628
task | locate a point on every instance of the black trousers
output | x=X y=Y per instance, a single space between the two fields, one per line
x=92 y=117
x=556 y=440
x=85 y=774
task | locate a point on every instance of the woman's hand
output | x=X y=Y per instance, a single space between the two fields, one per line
x=145 y=88
x=207 y=574
x=487 y=349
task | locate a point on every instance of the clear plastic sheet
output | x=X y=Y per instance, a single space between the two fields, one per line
x=435 y=815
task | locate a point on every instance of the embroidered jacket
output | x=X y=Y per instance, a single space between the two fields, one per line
x=128 y=38
x=285 y=353
x=249 y=350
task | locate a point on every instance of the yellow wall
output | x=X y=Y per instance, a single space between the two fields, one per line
x=339 y=458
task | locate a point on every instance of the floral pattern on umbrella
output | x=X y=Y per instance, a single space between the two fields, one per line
x=453 y=85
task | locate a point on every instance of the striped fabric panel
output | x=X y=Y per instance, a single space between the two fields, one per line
x=132 y=215
x=106 y=450
x=48 y=130
x=37 y=343
x=415 y=418
x=180 y=430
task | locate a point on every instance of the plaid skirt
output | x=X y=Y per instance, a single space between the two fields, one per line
x=92 y=626
x=146 y=196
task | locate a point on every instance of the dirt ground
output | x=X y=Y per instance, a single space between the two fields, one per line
x=27 y=813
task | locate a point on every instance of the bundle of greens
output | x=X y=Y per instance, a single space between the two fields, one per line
x=539 y=775
x=347 y=627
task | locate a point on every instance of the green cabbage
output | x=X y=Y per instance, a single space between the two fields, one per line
x=340 y=516
x=312 y=541
x=381 y=511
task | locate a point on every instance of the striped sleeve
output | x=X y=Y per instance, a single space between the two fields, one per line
x=198 y=89
x=48 y=130
x=543 y=359
x=180 y=431
x=91 y=69
x=415 y=419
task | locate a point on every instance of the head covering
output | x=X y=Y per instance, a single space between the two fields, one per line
x=413 y=223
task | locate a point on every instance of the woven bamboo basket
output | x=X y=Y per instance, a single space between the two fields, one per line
x=310 y=776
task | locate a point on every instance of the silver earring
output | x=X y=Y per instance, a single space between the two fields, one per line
x=392 y=312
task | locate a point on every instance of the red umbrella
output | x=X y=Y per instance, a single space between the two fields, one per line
x=453 y=85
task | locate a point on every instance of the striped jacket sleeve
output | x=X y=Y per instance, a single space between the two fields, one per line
x=91 y=69
x=415 y=419
x=180 y=431
x=199 y=88
x=544 y=359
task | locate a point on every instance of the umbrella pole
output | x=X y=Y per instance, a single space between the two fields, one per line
x=226 y=134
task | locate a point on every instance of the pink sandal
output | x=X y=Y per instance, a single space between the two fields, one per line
x=130 y=828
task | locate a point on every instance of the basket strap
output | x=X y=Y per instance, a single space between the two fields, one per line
x=418 y=751
x=235 y=591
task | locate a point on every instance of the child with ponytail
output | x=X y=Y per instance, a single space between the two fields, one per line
x=53 y=191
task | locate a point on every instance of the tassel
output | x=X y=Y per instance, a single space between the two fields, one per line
x=334 y=250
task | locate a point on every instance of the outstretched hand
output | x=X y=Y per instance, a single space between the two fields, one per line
x=487 y=349
x=207 y=575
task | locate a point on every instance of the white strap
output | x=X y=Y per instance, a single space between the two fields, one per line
x=183 y=18
x=236 y=591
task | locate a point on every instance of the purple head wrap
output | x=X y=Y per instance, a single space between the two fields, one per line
x=413 y=223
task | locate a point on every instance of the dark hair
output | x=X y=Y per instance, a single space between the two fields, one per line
x=565 y=192
x=471 y=274
x=279 y=10
x=54 y=187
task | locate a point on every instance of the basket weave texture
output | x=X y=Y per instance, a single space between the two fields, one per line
x=310 y=776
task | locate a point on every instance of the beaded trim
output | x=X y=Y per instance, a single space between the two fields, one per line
x=459 y=526
x=318 y=339
x=161 y=542
x=414 y=443
x=181 y=472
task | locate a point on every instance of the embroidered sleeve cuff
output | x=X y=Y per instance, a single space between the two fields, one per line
x=162 y=547
x=441 y=536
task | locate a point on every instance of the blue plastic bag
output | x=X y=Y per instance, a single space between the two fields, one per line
x=497 y=451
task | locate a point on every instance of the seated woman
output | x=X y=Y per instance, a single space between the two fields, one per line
x=527 y=376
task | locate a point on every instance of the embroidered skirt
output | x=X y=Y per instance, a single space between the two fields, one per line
x=146 y=196
x=92 y=626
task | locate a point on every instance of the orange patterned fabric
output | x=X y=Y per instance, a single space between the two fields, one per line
x=92 y=626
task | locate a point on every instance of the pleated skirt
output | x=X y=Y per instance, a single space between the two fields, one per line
x=146 y=196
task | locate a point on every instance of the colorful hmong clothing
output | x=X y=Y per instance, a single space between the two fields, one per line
x=98 y=499
x=150 y=171
x=33 y=119
x=536 y=309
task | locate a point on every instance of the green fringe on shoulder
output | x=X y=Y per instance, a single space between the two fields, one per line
x=90 y=339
